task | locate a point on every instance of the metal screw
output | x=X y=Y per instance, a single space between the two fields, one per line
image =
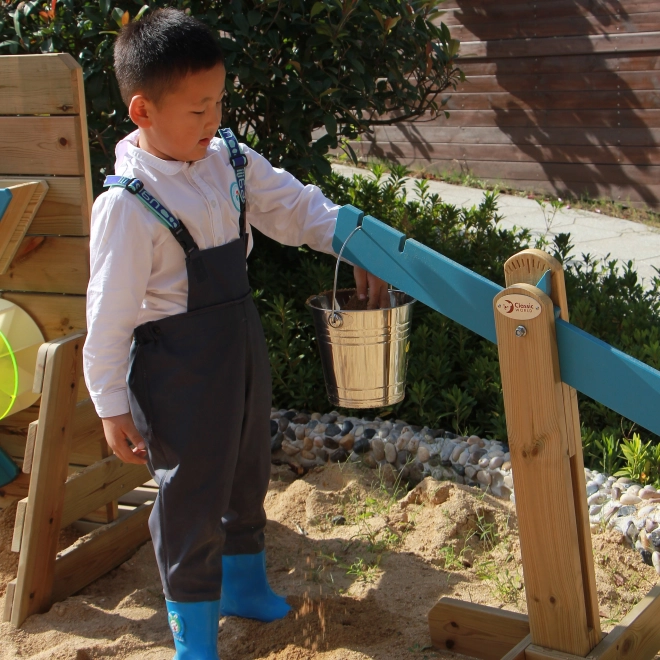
x=521 y=331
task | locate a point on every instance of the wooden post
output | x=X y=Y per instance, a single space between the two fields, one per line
x=538 y=442
x=36 y=566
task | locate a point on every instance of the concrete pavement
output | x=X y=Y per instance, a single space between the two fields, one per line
x=592 y=233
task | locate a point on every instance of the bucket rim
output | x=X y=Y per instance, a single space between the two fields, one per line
x=308 y=302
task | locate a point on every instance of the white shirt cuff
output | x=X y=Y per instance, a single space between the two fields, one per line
x=112 y=404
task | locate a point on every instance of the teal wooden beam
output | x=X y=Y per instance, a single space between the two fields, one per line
x=591 y=366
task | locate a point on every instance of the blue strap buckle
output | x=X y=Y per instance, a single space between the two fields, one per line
x=134 y=186
x=238 y=161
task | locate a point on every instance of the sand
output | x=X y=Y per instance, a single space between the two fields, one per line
x=360 y=585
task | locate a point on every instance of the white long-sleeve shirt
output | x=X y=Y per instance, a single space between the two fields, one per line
x=138 y=270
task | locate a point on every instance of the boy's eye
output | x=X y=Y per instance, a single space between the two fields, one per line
x=195 y=112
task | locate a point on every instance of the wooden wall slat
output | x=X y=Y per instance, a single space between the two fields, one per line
x=486 y=12
x=42 y=145
x=567 y=26
x=514 y=5
x=532 y=153
x=627 y=81
x=49 y=264
x=61 y=212
x=622 y=43
x=541 y=100
x=541 y=118
x=568 y=64
x=440 y=134
x=38 y=85
x=56 y=315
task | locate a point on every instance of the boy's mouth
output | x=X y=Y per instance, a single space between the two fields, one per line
x=205 y=142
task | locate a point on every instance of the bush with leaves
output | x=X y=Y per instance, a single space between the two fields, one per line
x=342 y=66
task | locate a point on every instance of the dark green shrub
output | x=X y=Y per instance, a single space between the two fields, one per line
x=292 y=67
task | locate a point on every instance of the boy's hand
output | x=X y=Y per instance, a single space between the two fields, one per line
x=118 y=431
x=377 y=289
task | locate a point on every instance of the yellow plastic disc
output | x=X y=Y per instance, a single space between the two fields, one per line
x=20 y=339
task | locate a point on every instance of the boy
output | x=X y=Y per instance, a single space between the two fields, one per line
x=168 y=247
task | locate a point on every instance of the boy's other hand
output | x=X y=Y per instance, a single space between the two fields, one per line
x=118 y=431
x=373 y=287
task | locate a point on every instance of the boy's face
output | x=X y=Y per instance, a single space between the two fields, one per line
x=180 y=126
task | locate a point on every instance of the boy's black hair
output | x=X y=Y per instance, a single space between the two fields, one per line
x=155 y=52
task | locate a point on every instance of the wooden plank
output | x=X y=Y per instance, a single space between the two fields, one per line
x=637 y=637
x=587 y=119
x=29 y=447
x=556 y=26
x=609 y=43
x=63 y=210
x=536 y=425
x=569 y=175
x=524 y=83
x=49 y=264
x=528 y=153
x=9 y=600
x=591 y=5
x=527 y=11
x=18 y=216
x=42 y=521
x=94 y=555
x=37 y=85
x=19 y=523
x=88 y=196
x=99 y=484
x=483 y=632
x=437 y=136
x=592 y=63
x=17 y=489
x=139 y=495
x=538 y=99
x=56 y=315
x=14 y=431
x=42 y=145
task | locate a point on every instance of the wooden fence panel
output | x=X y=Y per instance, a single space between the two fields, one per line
x=560 y=96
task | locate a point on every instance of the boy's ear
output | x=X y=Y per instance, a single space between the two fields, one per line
x=139 y=110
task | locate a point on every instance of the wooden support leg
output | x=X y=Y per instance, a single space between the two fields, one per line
x=538 y=442
x=482 y=632
x=527 y=267
x=61 y=374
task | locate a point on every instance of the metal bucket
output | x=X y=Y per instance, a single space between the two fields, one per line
x=363 y=352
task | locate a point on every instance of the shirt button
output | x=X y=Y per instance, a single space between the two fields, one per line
x=214 y=204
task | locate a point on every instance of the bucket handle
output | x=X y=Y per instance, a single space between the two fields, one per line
x=335 y=319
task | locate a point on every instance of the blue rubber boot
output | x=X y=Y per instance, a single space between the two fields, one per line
x=246 y=592
x=194 y=627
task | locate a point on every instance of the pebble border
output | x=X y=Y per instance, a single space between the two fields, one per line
x=411 y=453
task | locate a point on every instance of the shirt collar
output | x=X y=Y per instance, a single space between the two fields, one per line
x=127 y=148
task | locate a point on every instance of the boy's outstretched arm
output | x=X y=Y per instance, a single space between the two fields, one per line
x=118 y=430
x=371 y=288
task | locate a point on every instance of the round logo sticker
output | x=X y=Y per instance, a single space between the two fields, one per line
x=518 y=307
x=235 y=195
x=176 y=625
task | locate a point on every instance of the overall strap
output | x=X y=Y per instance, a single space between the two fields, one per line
x=238 y=161
x=136 y=187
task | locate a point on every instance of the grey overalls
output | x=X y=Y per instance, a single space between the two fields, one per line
x=200 y=394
